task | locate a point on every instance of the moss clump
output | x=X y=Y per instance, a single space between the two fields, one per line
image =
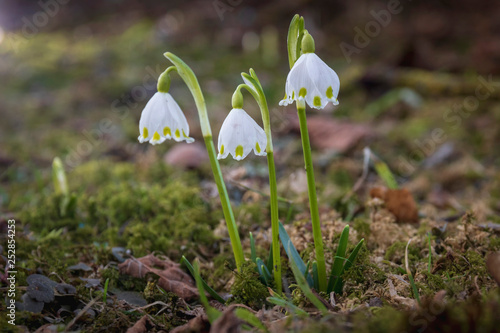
x=115 y=320
x=247 y=288
x=122 y=281
x=385 y=319
x=494 y=244
x=362 y=226
x=113 y=207
x=362 y=275
x=456 y=272
x=396 y=252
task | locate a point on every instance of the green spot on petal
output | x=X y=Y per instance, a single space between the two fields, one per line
x=293 y=94
x=145 y=133
x=177 y=133
x=167 y=132
x=222 y=149
x=156 y=137
x=329 y=92
x=239 y=151
x=184 y=134
x=302 y=92
x=317 y=101
x=257 y=147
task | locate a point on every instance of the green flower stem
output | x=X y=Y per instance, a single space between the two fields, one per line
x=226 y=205
x=191 y=81
x=313 y=201
x=259 y=96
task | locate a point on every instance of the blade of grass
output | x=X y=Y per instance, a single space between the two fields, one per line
x=288 y=305
x=410 y=275
x=302 y=283
x=207 y=288
x=253 y=254
x=105 y=294
x=270 y=259
x=250 y=318
x=212 y=313
x=385 y=173
x=338 y=264
x=315 y=276
x=339 y=284
x=261 y=267
x=429 y=267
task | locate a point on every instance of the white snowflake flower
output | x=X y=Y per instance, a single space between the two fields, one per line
x=162 y=119
x=239 y=135
x=310 y=79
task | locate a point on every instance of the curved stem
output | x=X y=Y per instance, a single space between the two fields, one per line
x=191 y=81
x=259 y=96
x=313 y=200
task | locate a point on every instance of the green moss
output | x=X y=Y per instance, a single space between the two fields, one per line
x=123 y=282
x=115 y=208
x=396 y=252
x=384 y=319
x=362 y=226
x=362 y=275
x=247 y=288
x=494 y=244
x=218 y=277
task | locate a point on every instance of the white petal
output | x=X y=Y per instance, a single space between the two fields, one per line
x=163 y=119
x=310 y=74
x=239 y=135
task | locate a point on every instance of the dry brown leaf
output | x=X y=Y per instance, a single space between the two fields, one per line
x=493 y=265
x=399 y=202
x=227 y=323
x=172 y=278
x=197 y=324
x=143 y=325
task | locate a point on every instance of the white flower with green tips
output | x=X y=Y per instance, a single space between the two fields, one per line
x=162 y=119
x=239 y=135
x=311 y=79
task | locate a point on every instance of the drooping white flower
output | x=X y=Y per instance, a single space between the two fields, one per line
x=239 y=135
x=162 y=119
x=310 y=79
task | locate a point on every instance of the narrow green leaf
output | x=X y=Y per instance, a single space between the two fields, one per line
x=300 y=34
x=253 y=254
x=256 y=79
x=338 y=264
x=287 y=304
x=429 y=266
x=308 y=266
x=208 y=289
x=301 y=281
x=339 y=285
x=293 y=32
x=212 y=313
x=270 y=259
x=250 y=318
x=410 y=275
x=59 y=177
x=385 y=174
x=291 y=251
x=105 y=294
x=262 y=272
x=315 y=276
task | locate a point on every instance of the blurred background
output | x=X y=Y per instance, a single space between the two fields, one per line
x=419 y=84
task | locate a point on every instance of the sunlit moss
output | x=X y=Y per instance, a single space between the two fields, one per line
x=247 y=288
